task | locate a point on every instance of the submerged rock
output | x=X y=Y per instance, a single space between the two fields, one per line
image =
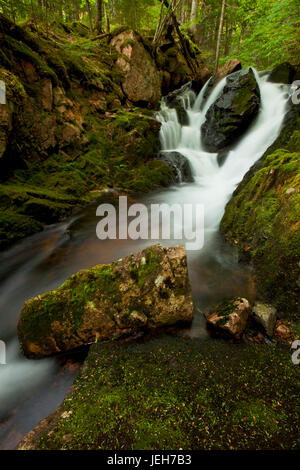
x=231 y=316
x=265 y=315
x=233 y=111
x=180 y=166
x=142 y=81
x=282 y=73
x=145 y=290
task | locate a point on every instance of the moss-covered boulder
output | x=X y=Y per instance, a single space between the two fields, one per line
x=142 y=80
x=146 y=290
x=233 y=111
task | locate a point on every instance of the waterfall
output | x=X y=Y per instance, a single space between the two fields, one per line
x=215 y=184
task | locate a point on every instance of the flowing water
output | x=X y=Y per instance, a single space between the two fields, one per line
x=30 y=390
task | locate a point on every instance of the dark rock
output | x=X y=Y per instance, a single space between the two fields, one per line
x=282 y=73
x=146 y=290
x=178 y=100
x=180 y=166
x=233 y=111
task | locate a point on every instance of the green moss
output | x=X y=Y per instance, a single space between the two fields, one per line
x=127 y=42
x=256 y=414
x=66 y=305
x=226 y=308
x=174 y=393
x=14 y=226
x=151 y=265
x=264 y=217
x=20 y=50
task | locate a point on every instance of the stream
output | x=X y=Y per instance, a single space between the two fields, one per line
x=31 y=390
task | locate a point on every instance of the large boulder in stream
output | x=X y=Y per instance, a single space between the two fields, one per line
x=142 y=81
x=145 y=290
x=233 y=111
x=180 y=167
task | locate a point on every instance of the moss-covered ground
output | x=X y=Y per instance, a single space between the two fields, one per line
x=174 y=393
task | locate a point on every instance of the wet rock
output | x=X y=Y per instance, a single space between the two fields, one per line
x=145 y=290
x=142 y=81
x=231 y=316
x=180 y=100
x=282 y=73
x=265 y=315
x=180 y=166
x=233 y=112
x=283 y=332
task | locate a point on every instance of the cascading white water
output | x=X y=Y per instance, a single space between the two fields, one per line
x=215 y=184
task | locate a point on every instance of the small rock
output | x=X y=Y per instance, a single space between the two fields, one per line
x=265 y=315
x=283 y=332
x=231 y=316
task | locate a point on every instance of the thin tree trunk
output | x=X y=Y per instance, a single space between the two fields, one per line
x=107 y=22
x=219 y=36
x=181 y=38
x=193 y=19
x=88 y=7
x=99 y=19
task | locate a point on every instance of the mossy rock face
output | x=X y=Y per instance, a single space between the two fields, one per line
x=282 y=73
x=263 y=219
x=65 y=127
x=107 y=301
x=173 y=393
x=142 y=81
x=233 y=111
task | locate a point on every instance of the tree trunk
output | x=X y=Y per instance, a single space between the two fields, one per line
x=107 y=22
x=88 y=7
x=99 y=19
x=219 y=36
x=194 y=15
